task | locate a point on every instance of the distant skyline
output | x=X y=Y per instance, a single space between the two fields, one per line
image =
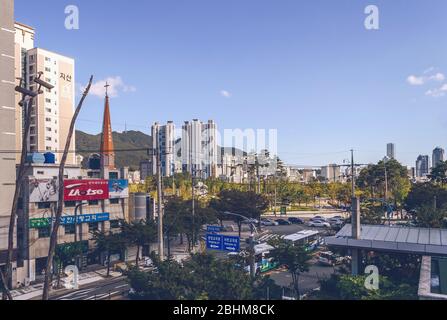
x=309 y=69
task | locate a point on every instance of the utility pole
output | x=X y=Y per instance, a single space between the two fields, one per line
x=355 y=221
x=352 y=174
x=160 y=201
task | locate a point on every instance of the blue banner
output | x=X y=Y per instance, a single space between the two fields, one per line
x=214 y=242
x=231 y=244
x=212 y=229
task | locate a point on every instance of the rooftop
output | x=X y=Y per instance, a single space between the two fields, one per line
x=391 y=238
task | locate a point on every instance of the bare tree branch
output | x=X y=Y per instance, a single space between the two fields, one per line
x=60 y=205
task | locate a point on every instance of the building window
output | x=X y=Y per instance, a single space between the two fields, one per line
x=48 y=139
x=114 y=201
x=43 y=205
x=47 y=100
x=44 y=232
x=70 y=204
x=47 y=69
x=93 y=202
x=48 y=149
x=48 y=119
x=48 y=110
x=49 y=129
x=47 y=59
x=113 y=175
x=69 y=229
x=93 y=226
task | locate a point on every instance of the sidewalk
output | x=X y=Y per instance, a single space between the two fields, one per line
x=35 y=290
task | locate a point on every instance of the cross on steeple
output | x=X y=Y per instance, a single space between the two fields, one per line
x=107 y=88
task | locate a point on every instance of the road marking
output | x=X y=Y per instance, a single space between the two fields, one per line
x=124 y=285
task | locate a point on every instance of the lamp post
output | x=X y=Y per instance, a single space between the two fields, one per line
x=252 y=240
x=79 y=205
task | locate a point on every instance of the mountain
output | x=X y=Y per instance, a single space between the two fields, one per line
x=125 y=143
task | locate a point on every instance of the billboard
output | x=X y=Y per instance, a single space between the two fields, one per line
x=67 y=220
x=43 y=190
x=86 y=190
x=118 y=189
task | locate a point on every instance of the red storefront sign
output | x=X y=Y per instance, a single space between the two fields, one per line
x=86 y=190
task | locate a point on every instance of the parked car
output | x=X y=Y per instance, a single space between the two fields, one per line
x=269 y=223
x=249 y=221
x=330 y=259
x=296 y=220
x=336 y=221
x=318 y=224
x=283 y=222
x=319 y=218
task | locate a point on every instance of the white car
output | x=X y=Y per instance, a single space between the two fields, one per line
x=269 y=223
x=318 y=224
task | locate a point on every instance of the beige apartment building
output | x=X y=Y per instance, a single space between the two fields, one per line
x=7 y=127
x=53 y=110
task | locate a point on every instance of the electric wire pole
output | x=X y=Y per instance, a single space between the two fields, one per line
x=160 y=202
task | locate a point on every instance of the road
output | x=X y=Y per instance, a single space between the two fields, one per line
x=103 y=290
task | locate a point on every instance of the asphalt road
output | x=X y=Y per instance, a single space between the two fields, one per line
x=103 y=290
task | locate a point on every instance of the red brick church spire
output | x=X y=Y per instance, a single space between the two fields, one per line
x=107 y=148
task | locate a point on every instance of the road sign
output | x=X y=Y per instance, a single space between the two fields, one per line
x=214 y=242
x=212 y=229
x=231 y=244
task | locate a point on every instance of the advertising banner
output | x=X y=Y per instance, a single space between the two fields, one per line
x=43 y=190
x=118 y=189
x=86 y=190
x=67 y=220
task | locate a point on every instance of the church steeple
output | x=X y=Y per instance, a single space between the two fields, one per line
x=107 y=147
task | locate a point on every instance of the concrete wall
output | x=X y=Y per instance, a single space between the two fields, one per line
x=7 y=116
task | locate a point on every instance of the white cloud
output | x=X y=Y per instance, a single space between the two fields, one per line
x=421 y=80
x=116 y=86
x=437 y=92
x=225 y=94
x=415 y=81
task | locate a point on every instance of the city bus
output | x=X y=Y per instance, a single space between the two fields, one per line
x=263 y=260
x=310 y=239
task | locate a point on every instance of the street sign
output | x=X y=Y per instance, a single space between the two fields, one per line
x=214 y=242
x=231 y=244
x=212 y=229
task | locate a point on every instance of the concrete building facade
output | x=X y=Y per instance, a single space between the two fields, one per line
x=199 y=148
x=391 y=151
x=422 y=166
x=438 y=156
x=7 y=121
x=163 y=139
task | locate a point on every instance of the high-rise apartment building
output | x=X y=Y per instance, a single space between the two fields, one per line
x=391 y=151
x=163 y=139
x=24 y=41
x=438 y=156
x=331 y=173
x=199 y=148
x=422 y=166
x=7 y=122
x=52 y=111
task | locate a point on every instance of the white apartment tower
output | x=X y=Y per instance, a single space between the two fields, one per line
x=163 y=140
x=199 y=148
x=53 y=110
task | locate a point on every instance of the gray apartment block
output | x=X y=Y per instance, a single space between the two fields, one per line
x=7 y=119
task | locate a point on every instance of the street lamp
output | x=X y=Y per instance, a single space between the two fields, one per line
x=252 y=240
x=79 y=205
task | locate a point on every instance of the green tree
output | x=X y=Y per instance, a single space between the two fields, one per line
x=201 y=277
x=248 y=204
x=294 y=258
x=439 y=173
x=429 y=217
x=140 y=234
x=108 y=243
x=64 y=255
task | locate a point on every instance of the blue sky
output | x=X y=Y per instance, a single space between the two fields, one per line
x=307 y=68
